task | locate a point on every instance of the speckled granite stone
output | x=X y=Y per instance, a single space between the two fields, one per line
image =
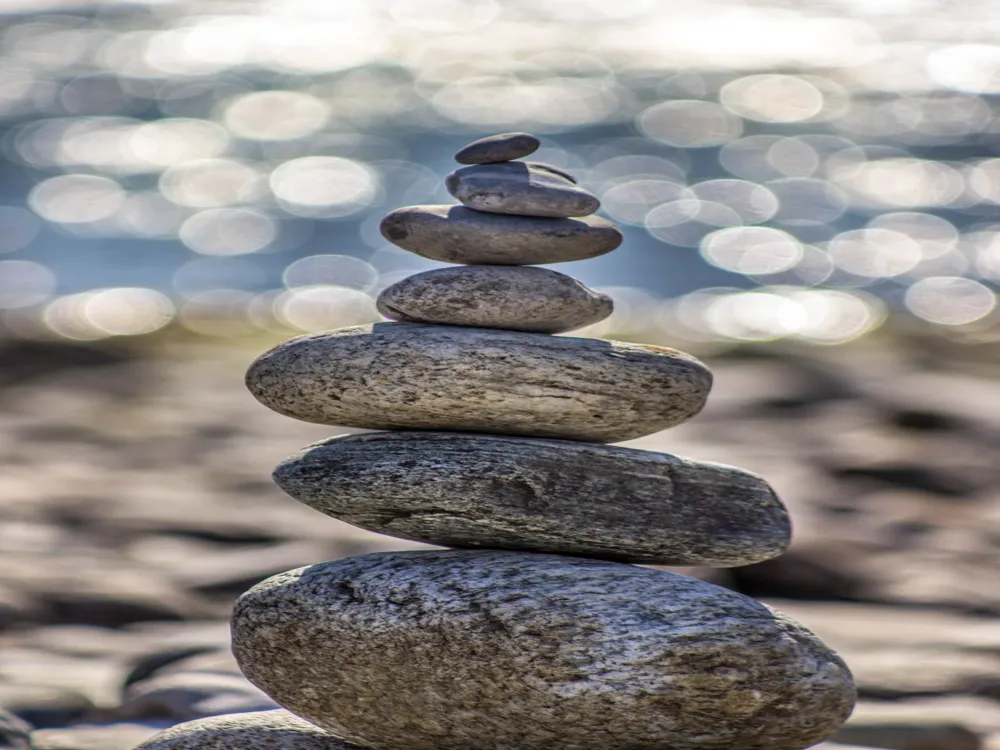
x=515 y=298
x=261 y=730
x=456 y=234
x=496 y=148
x=495 y=650
x=467 y=490
x=519 y=188
x=413 y=376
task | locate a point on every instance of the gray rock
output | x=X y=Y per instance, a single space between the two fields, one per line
x=413 y=376
x=13 y=732
x=456 y=234
x=518 y=188
x=465 y=490
x=274 y=730
x=496 y=650
x=191 y=695
x=515 y=298
x=495 y=148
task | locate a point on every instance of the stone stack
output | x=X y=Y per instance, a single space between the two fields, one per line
x=536 y=633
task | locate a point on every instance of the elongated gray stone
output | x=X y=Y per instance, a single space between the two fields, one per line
x=451 y=650
x=515 y=298
x=467 y=490
x=496 y=148
x=456 y=234
x=273 y=730
x=519 y=188
x=424 y=377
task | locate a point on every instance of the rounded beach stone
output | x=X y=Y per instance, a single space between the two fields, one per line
x=448 y=650
x=519 y=188
x=495 y=148
x=456 y=234
x=515 y=298
x=274 y=730
x=467 y=490
x=426 y=377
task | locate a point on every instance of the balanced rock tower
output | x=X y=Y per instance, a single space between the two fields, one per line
x=536 y=632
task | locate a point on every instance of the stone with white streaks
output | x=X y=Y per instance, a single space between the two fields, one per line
x=515 y=298
x=468 y=490
x=450 y=650
x=426 y=377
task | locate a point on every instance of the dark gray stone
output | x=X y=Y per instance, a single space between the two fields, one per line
x=456 y=234
x=453 y=650
x=496 y=148
x=414 y=376
x=466 y=490
x=273 y=730
x=518 y=188
x=516 y=298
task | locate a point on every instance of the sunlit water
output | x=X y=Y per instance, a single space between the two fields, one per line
x=780 y=169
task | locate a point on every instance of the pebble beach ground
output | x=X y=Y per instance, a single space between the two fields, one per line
x=135 y=505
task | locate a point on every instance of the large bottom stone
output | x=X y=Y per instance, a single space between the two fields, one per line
x=261 y=730
x=494 y=650
x=427 y=377
x=467 y=490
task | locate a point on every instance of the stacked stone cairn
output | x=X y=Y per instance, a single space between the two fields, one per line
x=537 y=632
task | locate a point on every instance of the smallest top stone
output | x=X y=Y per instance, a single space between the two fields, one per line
x=495 y=148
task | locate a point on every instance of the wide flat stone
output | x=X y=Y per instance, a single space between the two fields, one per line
x=496 y=148
x=519 y=188
x=273 y=730
x=424 y=377
x=450 y=650
x=516 y=298
x=456 y=234
x=467 y=490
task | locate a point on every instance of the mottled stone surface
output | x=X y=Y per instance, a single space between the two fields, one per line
x=516 y=298
x=467 y=490
x=273 y=730
x=495 y=148
x=456 y=234
x=414 y=376
x=519 y=188
x=500 y=650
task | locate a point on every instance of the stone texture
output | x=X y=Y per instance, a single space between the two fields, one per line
x=554 y=169
x=274 y=730
x=518 y=188
x=191 y=695
x=496 y=148
x=510 y=297
x=413 y=376
x=456 y=234
x=466 y=490
x=457 y=649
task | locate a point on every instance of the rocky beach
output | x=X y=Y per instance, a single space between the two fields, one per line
x=135 y=510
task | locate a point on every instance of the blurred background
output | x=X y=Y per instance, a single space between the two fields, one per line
x=809 y=194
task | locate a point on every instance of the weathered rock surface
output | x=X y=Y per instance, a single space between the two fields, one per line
x=466 y=490
x=457 y=649
x=510 y=297
x=413 y=376
x=456 y=234
x=274 y=730
x=519 y=188
x=496 y=148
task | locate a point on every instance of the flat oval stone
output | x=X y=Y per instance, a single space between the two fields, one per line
x=274 y=730
x=515 y=298
x=467 y=490
x=451 y=650
x=456 y=234
x=496 y=148
x=411 y=376
x=519 y=188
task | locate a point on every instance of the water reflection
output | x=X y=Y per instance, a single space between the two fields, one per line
x=242 y=153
